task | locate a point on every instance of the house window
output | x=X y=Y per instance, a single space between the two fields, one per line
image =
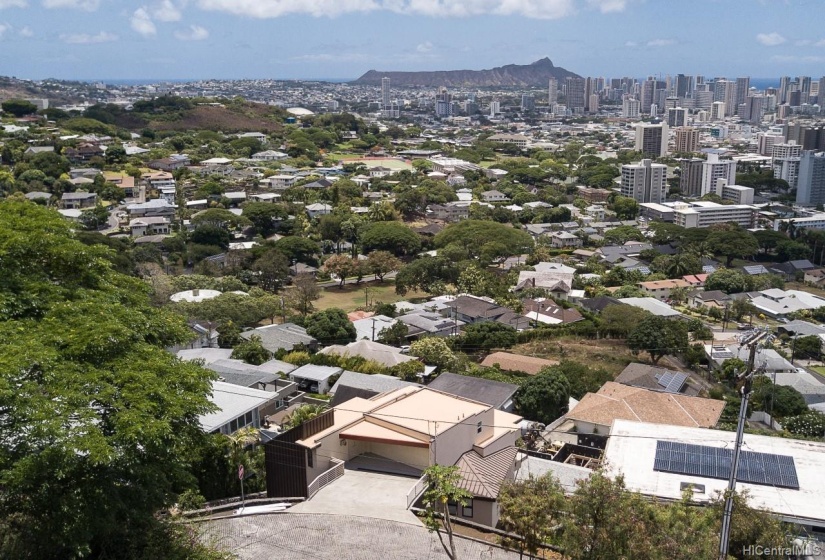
x=478 y=427
x=467 y=510
x=452 y=508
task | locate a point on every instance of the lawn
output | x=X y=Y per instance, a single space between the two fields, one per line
x=352 y=296
x=611 y=355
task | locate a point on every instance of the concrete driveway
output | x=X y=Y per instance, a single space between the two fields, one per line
x=364 y=494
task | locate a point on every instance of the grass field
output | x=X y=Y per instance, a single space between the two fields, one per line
x=610 y=355
x=351 y=296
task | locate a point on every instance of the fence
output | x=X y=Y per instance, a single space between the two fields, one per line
x=416 y=491
x=765 y=418
x=337 y=471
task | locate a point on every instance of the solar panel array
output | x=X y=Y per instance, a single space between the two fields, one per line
x=715 y=462
x=672 y=382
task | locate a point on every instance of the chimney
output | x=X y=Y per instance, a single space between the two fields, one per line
x=196 y=292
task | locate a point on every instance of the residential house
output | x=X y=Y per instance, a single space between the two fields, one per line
x=351 y=384
x=791 y=269
x=661 y=289
x=516 y=362
x=172 y=163
x=237 y=407
x=556 y=284
x=318 y=209
x=158 y=179
x=653 y=305
x=472 y=309
x=657 y=378
x=646 y=454
x=778 y=303
x=769 y=360
x=379 y=172
x=279 y=182
x=285 y=336
x=422 y=323
x=449 y=212
x=815 y=277
x=88 y=172
x=315 y=379
x=711 y=299
x=564 y=240
x=494 y=393
x=494 y=196
x=409 y=428
x=150 y=208
x=78 y=200
x=83 y=152
x=153 y=225
x=548 y=312
x=32 y=150
x=596 y=412
x=269 y=155
x=384 y=354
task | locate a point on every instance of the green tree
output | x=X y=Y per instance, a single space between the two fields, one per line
x=731 y=368
x=262 y=215
x=768 y=239
x=19 y=107
x=473 y=234
x=272 y=270
x=580 y=378
x=443 y=490
x=394 y=335
x=342 y=266
x=298 y=249
x=486 y=336
x=330 y=326
x=658 y=336
x=98 y=419
x=807 y=347
x=380 y=263
x=779 y=400
x=733 y=243
x=727 y=280
x=808 y=424
x=625 y=208
x=229 y=334
x=393 y=237
x=302 y=414
x=302 y=293
x=251 y=351
x=94 y=218
x=429 y=274
x=619 y=320
x=434 y=351
x=533 y=510
x=544 y=397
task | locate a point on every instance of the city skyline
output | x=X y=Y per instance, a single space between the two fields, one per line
x=338 y=40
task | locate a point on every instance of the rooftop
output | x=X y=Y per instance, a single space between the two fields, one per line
x=232 y=401
x=493 y=393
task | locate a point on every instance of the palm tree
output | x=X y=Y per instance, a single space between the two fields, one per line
x=302 y=414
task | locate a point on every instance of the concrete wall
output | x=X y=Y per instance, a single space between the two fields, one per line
x=453 y=442
x=485 y=512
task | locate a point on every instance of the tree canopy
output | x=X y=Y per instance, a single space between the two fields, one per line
x=98 y=419
x=474 y=234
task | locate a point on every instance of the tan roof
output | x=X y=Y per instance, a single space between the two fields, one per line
x=517 y=362
x=656 y=284
x=616 y=401
x=427 y=411
x=483 y=476
x=367 y=431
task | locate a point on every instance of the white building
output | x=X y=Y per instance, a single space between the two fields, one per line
x=651 y=139
x=714 y=169
x=631 y=107
x=645 y=181
x=703 y=214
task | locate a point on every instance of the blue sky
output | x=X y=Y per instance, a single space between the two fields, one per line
x=186 y=39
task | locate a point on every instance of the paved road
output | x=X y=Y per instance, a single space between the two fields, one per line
x=298 y=536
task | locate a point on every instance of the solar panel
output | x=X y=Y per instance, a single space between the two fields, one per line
x=766 y=469
x=676 y=383
x=664 y=378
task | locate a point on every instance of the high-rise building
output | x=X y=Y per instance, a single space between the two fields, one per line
x=630 y=107
x=702 y=99
x=821 y=95
x=808 y=136
x=677 y=116
x=725 y=91
x=528 y=102
x=593 y=103
x=651 y=139
x=784 y=88
x=742 y=87
x=714 y=168
x=810 y=187
x=687 y=140
x=765 y=142
x=805 y=84
x=648 y=97
x=385 y=92
x=690 y=177
x=717 y=111
x=645 y=181
x=752 y=109
x=553 y=92
x=681 y=86
x=443 y=104
x=575 y=94
x=495 y=108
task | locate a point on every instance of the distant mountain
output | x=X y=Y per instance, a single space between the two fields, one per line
x=513 y=75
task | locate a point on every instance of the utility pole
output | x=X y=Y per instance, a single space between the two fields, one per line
x=373 y=330
x=753 y=342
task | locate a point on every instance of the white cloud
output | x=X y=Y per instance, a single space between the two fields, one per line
x=770 y=39
x=142 y=23
x=328 y=57
x=12 y=4
x=631 y=44
x=608 y=6
x=795 y=58
x=86 y=5
x=661 y=42
x=3 y=28
x=26 y=32
x=167 y=11
x=538 y=9
x=86 y=39
x=820 y=43
x=424 y=47
x=192 y=33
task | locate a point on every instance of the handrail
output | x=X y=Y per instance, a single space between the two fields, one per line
x=329 y=475
x=415 y=492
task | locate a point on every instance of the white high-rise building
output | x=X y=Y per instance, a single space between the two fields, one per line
x=631 y=107
x=651 y=139
x=553 y=92
x=811 y=180
x=714 y=169
x=717 y=111
x=495 y=108
x=766 y=141
x=385 y=92
x=677 y=116
x=645 y=181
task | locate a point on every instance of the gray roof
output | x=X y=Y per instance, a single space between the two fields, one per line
x=247 y=375
x=208 y=355
x=644 y=376
x=78 y=196
x=567 y=475
x=801 y=328
x=232 y=401
x=493 y=393
x=35 y=195
x=352 y=384
x=652 y=305
x=277 y=337
x=315 y=373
